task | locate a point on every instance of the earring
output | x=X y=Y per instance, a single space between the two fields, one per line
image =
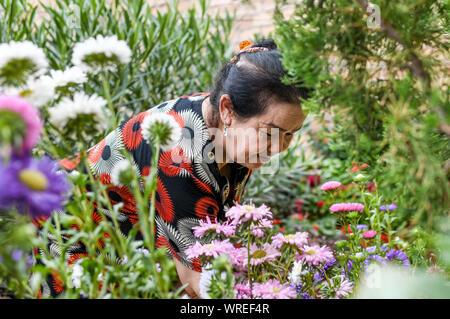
x=224 y=130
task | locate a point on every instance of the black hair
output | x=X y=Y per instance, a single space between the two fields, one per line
x=255 y=83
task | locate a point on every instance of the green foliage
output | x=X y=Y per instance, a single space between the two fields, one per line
x=383 y=79
x=173 y=53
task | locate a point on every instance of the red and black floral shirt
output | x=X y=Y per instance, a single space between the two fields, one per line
x=189 y=184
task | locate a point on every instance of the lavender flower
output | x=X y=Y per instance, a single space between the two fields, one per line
x=32 y=186
x=391 y=207
x=361 y=227
x=377 y=258
x=320 y=274
x=399 y=255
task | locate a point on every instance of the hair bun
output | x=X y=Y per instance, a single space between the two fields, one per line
x=265 y=43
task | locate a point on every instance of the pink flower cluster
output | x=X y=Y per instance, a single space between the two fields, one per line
x=205 y=226
x=298 y=239
x=330 y=185
x=239 y=214
x=213 y=249
x=346 y=207
x=30 y=116
x=273 y=289
x=316 y=255
x=257 y=230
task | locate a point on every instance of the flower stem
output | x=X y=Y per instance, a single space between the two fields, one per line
x=107 y=93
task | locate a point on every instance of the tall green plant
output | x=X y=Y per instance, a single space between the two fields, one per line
x=379 y=69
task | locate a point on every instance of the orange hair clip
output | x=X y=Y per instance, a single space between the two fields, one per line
x=244 y=44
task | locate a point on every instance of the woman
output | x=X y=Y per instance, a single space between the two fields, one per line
x=248 y=116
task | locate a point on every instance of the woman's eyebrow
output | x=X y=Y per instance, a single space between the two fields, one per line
x=281 y=129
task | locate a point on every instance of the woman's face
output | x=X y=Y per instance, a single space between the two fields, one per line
x=253 y=141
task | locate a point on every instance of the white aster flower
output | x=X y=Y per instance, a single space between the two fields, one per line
x=77 y=272
x=69 y=76
x=297 y=272
x=163 y=127
x=100 y=53
x=69 y=109
x=39 y=91
x=206 y=281
x=122 y=167
x=19 y=60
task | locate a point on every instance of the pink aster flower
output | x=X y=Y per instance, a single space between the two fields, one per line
x=226 y=229
x=346 y=207
x=345 y=288
x=330 y=185
x=369 y=234
x=214 y=249
x=242 y=291
x=298 y=239
x=273 y=289
x=316 y=255
x=241 y=213
x=260 y=255
x=257 y=230
x=237 y=257
x=29 y=116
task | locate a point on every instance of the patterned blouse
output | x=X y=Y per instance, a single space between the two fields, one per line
x=189 y=185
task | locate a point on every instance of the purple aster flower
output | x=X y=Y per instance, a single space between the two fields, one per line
x=296 y=287
x=361 y=227
x=371 y=249
x=320 y=274
x=399 y=255
x=377 y=258
x=349 y=267
x=16 y=254
x=32 y=186
x=392 y=206
x=306 y=296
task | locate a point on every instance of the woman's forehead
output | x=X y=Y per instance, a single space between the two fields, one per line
x=284 y=116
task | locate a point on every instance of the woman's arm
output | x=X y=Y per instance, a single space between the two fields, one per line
x=190 y=277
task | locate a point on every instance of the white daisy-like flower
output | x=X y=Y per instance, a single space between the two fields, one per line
x=77 y=272
x=206 y=281
x=39 y=91
x=297 y=272
x=19 y=60
x=121 y=167
x=81 y=103
x=70 y=76
x=163 y=127
x=100 y=53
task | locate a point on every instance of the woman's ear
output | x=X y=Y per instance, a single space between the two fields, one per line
x=226 y=109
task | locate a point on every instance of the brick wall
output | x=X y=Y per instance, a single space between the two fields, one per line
x=252 y=18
